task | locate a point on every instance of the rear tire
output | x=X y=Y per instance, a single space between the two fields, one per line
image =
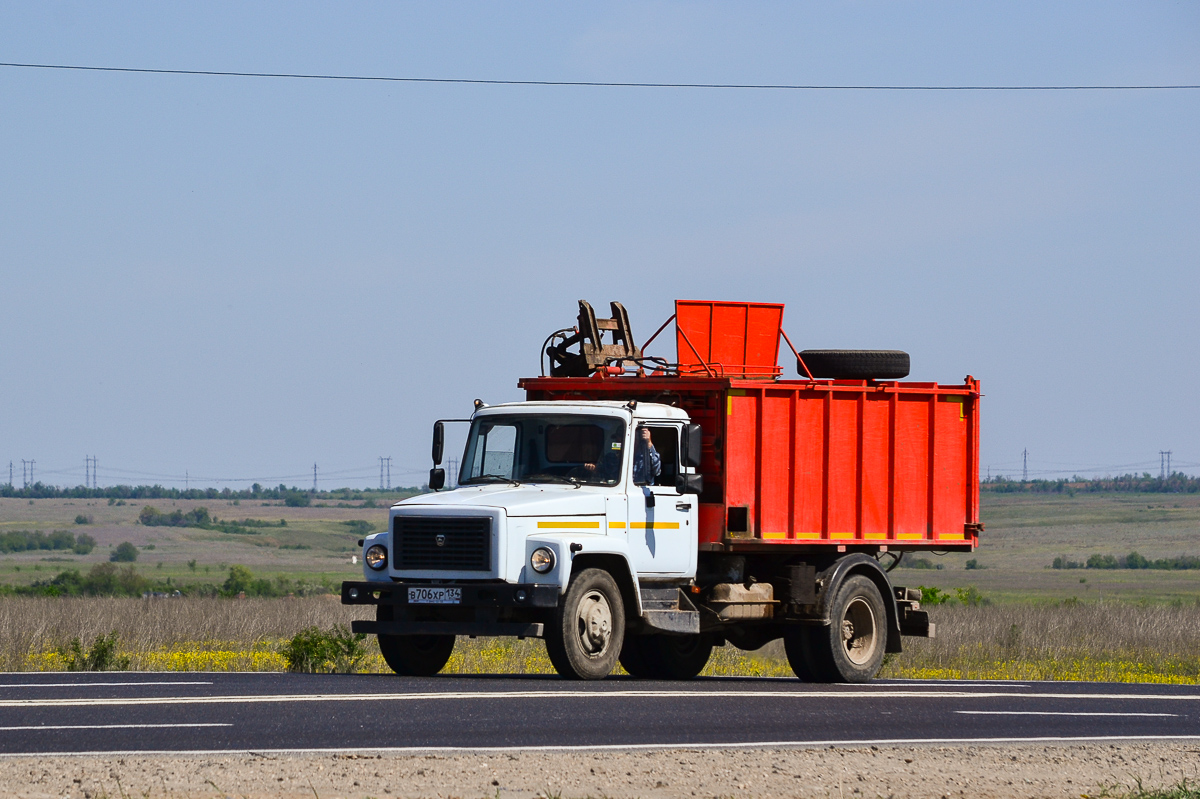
x=855 y=364
x=851 y=648
x=413 y=655
x=798 y=644
x=633 y=658
x=588 y=630
x=677 y=657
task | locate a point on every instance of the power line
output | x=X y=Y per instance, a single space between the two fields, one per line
x=622 y=84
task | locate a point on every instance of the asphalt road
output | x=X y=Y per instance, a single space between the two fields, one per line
x=143 y=712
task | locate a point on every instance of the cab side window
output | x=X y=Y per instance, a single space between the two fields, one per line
x=666 y=443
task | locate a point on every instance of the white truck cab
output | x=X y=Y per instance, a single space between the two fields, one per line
x=546 y=490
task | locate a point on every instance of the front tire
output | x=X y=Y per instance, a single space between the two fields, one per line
x=584 y=640
x=413 y=655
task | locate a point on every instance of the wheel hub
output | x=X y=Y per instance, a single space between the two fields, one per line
x=858 y=631
x=595 y=622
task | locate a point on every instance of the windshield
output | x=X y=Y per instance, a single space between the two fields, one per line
x=525 y=448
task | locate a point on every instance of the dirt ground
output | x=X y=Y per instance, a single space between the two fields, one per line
x=941 y=772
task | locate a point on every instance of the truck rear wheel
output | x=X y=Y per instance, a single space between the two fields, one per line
x=798 y=643
x=666 y=657
x=851 y=648
x=677 y=657
x=633 y=658
x=588 y=630
x=413 y=655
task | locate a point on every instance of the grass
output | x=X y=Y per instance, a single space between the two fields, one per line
x=1180 y=790
x=1115 y=642
x=1099 y=641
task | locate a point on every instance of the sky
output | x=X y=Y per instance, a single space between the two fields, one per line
x=235 y=278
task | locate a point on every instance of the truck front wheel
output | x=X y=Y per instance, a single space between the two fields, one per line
x=413 y=655
x=851 y=648
x=416 y=655
x=585 y=637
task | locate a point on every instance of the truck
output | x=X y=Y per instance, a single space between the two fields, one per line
x=639 y=510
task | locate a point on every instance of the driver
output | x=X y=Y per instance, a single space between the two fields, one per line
x=647 y=463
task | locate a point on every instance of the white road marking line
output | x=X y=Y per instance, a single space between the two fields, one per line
x=682 y=747
x=1052 y=713
x=106 y=726
x=485 y=695
x=945 y=684
x=94 y=684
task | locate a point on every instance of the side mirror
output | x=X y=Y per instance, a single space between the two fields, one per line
x=692 y=445
x=689 y=483
x=437 y=479
x=439 y=442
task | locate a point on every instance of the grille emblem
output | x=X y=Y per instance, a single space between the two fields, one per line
x=441 y=540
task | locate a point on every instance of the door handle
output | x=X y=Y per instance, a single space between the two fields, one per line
x=683 y=506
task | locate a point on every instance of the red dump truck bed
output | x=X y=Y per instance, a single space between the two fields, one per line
x=856 y=465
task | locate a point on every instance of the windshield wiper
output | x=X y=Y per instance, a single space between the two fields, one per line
x=553 y=478
x=491 y=478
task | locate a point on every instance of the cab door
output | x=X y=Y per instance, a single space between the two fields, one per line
x=662 y=522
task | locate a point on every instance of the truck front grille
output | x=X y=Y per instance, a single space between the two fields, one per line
x=445 y=543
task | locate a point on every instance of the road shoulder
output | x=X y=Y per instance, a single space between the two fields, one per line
x=1001 y=771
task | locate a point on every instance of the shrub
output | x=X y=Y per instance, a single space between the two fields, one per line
x=973 y=564
x=84 y=544
x=22 y=540
x=1135 y=561
x=933 y=596
x=317 y=651
x=124 y=553
x=101 y=655
x=1102 y=562
x=240 y=580
x=82 y=519
x=971 y=597
x=152 y=517
x=297 y=499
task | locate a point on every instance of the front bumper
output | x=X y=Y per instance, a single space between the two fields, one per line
x=487 y=598
x=476 y=595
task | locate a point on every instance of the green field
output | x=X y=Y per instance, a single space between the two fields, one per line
x=1024 y=533
x=316 y=544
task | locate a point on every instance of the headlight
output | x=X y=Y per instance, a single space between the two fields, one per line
x=376 y=557
x=542 y=560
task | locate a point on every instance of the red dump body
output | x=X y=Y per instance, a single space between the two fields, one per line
x=859 y=465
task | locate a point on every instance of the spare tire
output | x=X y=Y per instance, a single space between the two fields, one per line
x=854 y=364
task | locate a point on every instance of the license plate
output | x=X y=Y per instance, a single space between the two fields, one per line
x=434 y=596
